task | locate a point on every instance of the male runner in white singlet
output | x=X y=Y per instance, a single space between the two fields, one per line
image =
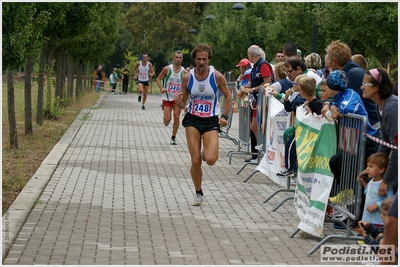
x=200 y=86
x=170 y=82
x=146 y=73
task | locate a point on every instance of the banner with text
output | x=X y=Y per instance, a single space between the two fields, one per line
x=315 y=145
x=274 y=159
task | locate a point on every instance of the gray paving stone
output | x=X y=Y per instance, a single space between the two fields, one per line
x=120 y=194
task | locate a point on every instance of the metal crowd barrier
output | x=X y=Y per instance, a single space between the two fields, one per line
x=349 y=191
x=261 y=132
x=244 y=131
x=288 y=184
x=225 y=133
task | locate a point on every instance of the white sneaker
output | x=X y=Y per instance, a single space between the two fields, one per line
x=259 y=147
x=198 y=199
x=293 y=181
x=173 y=142
x=243 y=147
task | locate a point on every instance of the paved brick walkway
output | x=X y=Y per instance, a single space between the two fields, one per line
x=119 y=193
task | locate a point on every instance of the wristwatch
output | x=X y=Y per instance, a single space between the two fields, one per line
x=225 y=117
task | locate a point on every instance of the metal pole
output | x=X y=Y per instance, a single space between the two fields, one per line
x=314 y=41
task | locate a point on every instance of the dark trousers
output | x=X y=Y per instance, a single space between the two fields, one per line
x=290 y=153
x=253 y=141
x=125 y=86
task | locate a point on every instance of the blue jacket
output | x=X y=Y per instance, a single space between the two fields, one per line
x=355 y=76
x=348 y=101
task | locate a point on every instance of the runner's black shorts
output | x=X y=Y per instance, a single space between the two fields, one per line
x=201 y=124
x=146 y=83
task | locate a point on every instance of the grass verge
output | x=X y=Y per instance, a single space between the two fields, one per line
x=19 y=165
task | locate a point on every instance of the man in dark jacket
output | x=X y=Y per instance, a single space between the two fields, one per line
x=339 y=58
x=261 y=74
x=125 y=80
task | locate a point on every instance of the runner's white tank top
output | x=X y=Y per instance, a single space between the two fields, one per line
x=172 y=82
x=144 y=72
x=203 y=101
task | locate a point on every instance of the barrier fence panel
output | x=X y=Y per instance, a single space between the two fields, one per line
x=347 y=192
x=243 y=131
x=260 y=134
x=225 y=131
x=274 y=150
x=262 y=121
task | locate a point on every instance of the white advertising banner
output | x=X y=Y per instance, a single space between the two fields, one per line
x=278 y=120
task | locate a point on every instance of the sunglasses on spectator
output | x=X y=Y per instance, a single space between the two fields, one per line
x=367 y=84
x=289 y=71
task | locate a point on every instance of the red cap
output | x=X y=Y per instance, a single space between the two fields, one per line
x=244 y=62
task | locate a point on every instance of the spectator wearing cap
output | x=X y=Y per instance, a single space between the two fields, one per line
x=245 y=70
x=346 y=100
x=377 y=86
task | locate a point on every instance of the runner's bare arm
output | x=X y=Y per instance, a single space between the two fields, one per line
x=135 y=70
x=181 y=98
x=151 y=74
x=221 y=82
x=161 y=76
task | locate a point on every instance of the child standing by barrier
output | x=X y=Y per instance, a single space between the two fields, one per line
x=372 y=234
x=292 y=100
x=376 y=167
x=306 y=86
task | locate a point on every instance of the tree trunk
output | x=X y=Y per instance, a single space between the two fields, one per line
x=28 y=96
x=49 y=67
x=85 y=78
x=63 y=75
x=60 y=79
x=12 y=122
x=70 y=81
x=40 y=96
x=78 y=89
x=58 y=91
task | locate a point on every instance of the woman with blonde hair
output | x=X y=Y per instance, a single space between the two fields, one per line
x=313 y=63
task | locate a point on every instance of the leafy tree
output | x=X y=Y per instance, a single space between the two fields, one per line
x=370 y=29
x=18 y=33
x=161 y=28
